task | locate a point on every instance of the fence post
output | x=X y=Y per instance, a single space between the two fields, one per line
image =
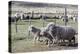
x=43 y=19
x=29 y=25
x=16 y=22
x=55 y=17
x=16 y=25
x=65 y=18
x=30 y=20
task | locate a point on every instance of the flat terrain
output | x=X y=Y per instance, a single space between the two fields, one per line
x=23 y=42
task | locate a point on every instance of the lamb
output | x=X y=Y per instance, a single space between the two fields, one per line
x=35 y=31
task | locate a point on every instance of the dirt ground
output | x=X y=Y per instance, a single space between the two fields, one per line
x=28 y=46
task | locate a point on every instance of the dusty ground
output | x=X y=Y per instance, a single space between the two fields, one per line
x=29 y=46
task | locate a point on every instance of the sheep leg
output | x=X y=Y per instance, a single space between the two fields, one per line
x=38 y=39
x=69 y=42
x=73 y=40
x=35 y=39
x=58 y=40
x=48 y=43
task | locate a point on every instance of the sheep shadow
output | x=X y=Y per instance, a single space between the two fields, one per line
x=69 y=45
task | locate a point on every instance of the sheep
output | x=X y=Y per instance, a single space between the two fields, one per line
x=44 y=33
x=61 y=32
x=49 y=28
x=75 y=19
x=17 y=16
x=66 y=33
x=35 y=31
